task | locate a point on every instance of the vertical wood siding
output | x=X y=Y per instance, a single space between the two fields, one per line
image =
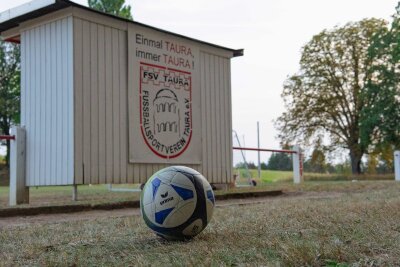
x=101 y=110
x=47 y=102
x=101 y=107
x=216 y=117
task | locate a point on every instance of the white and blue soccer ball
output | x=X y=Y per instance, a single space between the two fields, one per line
x=177 y=203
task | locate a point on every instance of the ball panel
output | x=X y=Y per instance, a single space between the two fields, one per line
x=210 y=210
x=161 y=215
x=185 y=169
x=166 y=176
x=183 y=180
x=182 y=212
x=186 y=210
x=155 y=185
x=175 y=219
x=147 y=194
x=194 y=228
x=210 y=196
x=186 y=204
x=149 y=211
x=166 y=198
x=204 y=181
x=184 y=193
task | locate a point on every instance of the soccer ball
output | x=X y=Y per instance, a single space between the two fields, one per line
x=177 y=203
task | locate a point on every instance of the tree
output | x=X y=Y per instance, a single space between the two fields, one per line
x=280 y=162
x=324 y=97
x=113 y=7
x=9 y=89
x=243 y=165
x=372 y=163
x=380 y=160
x=381 y=115
x=317 y=161
x=264 y=166
x=251 y=165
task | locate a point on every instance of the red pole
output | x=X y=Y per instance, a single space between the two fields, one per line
x=7 y=137
x=266 y=150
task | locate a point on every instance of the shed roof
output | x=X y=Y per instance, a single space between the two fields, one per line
x=12 y=18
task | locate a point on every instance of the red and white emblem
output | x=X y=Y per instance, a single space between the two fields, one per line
x=165 y=109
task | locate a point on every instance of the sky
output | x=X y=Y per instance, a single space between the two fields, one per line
x=271 y=33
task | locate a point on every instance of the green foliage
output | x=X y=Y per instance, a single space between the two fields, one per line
x=324 y=98
x=264 y=166
x=343 y=168
x=280 y=162
x=9 y=88
x=380 y=160
x=317 y=162
x=381 y=114
x=113 y=7
x=242 y=165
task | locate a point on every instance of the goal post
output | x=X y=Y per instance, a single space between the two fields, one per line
x=19 y=192
x=297 y=165
x=397 y=165
x=297 y=158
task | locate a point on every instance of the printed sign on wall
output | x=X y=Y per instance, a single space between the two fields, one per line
x=164 y=100
x=165 y=109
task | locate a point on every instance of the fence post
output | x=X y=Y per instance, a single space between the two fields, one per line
x=258 y=142
x=297 y=165
x=19 y=192
x=397 y=165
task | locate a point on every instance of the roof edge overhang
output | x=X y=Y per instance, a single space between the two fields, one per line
x=14 y=17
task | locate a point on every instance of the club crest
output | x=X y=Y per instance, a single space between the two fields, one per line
x=166 y=109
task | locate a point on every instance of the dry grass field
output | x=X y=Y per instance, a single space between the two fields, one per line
x=317 y=224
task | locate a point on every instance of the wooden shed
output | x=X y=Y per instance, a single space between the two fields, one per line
x=109 y=100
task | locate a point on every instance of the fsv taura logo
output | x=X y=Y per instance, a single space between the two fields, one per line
x=166 y=110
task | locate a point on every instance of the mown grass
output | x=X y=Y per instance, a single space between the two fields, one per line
x=270 y=180
x=62 y=195
x=270 y=176
x=349 y=225
x=267 y=176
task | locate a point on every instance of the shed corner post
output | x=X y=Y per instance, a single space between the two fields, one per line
x=19 y=192
x=297 y=165
x=397 y=165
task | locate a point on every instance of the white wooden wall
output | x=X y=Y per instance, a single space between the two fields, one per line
x=101 y=109
x=75 y=104
x=216 y=106
x=47 y=102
